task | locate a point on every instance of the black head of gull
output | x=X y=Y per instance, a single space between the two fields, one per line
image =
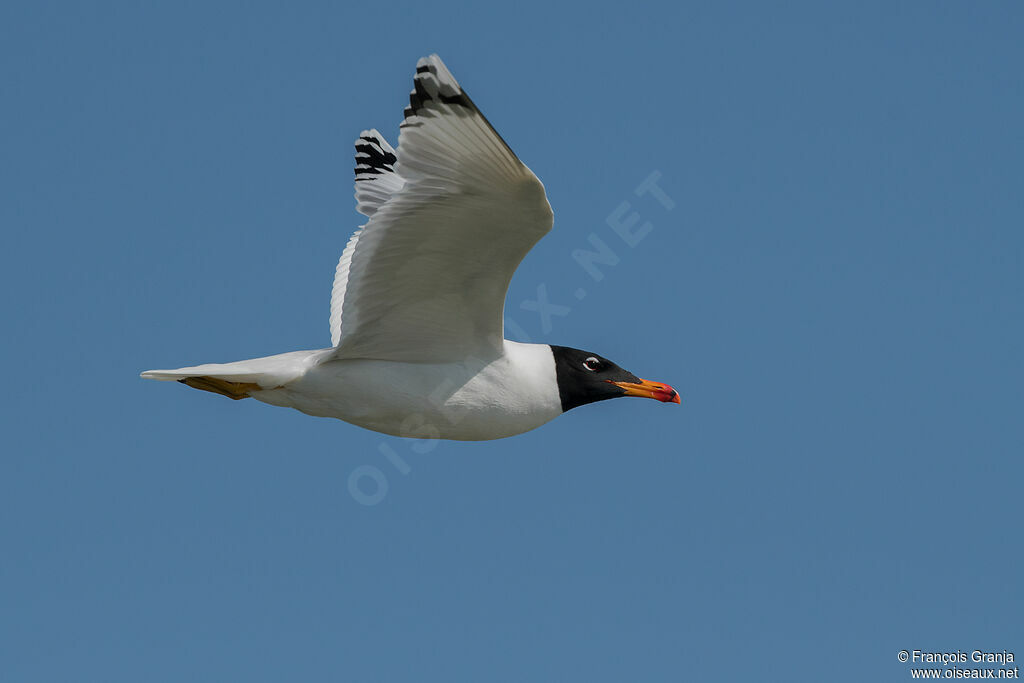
x=584 y=377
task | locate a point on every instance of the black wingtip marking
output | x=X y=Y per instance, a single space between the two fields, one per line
x=459 y=98
x=427 y=89
x=420 y=97
x=372 y=158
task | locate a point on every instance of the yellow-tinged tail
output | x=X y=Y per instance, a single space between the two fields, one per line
x=240 y=379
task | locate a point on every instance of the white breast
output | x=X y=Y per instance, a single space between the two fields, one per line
x=469 y=400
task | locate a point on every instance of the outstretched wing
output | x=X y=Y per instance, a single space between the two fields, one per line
x=451 y=215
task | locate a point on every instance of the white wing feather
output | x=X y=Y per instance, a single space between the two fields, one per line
x=425 y=279
x=376 y=181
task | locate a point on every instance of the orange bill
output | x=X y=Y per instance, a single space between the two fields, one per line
x=647 y=389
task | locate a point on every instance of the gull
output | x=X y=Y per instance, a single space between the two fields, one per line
x=417 y=338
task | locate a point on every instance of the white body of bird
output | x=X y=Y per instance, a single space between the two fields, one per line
x=470 y=400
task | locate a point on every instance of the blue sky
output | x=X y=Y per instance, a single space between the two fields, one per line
x=835 y=291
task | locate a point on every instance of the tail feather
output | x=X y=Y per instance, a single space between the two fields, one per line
x=237 y=380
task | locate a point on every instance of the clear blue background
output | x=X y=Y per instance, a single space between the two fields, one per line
x=836 y=294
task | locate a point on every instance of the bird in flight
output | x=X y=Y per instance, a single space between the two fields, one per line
x=418 y=345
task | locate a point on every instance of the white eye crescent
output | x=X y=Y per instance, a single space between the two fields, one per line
x=592 y=364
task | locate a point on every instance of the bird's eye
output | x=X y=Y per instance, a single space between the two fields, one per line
x=592 y=364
